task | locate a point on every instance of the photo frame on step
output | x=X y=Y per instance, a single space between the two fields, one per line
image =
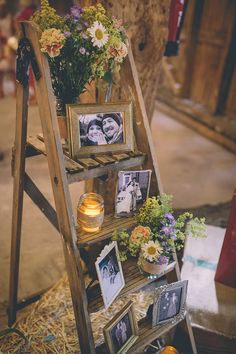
x=99 y=129
x=122 y=331
x=169 y=303
x=110 y=273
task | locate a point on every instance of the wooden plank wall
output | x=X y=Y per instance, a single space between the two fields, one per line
x=204 y=72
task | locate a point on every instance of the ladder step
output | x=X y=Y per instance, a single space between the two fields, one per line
x=109 y=225
x=104 y=159
x=87 y=168
x=88 y=163
x=134 y=281
x=120 y=157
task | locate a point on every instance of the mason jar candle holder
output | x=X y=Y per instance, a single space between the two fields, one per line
x=90 y=212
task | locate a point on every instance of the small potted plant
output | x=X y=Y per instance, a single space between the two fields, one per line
x=157 y=234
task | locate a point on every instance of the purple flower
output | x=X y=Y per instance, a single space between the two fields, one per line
x=67 y=34
x=82 y=50
x=163 y=260
x=169 y=216
x=173 y=236
x=170 y=219
x=86 y=23
x=75 y=11
x=167 y=230
x=84 y=36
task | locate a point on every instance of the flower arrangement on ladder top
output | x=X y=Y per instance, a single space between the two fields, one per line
x=84 y=45
x=157 y=234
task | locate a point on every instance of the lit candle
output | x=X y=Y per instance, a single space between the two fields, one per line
x=90 y=212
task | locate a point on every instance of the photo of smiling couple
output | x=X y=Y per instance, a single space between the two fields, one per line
x=101 y=129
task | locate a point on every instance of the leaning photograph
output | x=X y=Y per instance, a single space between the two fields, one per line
x=121 y=332
x=169 y=302
x=132 y=191
x=110 y=274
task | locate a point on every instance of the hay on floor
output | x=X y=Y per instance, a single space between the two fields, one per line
x=49 y=324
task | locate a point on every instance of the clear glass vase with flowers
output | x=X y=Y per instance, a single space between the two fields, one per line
x=84 y=45
x=157 y=234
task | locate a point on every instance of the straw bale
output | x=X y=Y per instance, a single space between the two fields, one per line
x=49 y=324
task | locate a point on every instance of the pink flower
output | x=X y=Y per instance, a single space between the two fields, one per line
x=118 y=51
x=52 y=40
x=140 y=234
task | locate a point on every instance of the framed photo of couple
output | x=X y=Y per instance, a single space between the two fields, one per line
x=169 y=303
x=122 y=331
x=98 y=129
x=110 y=273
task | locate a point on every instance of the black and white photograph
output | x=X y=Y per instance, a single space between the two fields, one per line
x=99 y=128
x=121 y=332
x=110 y=274
x=169 y=302
x=132 y=191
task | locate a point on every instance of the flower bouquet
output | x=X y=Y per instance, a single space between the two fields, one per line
x=84 y=45
x=158 y=234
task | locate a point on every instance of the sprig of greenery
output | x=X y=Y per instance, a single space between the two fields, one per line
x=157 y=214
x=47 y=17
x=79 y=61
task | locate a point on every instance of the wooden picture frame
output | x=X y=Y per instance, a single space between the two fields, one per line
x=169 y=303
x=99 y=128
x=122 y=331
x=131 y=191
x=110 y=273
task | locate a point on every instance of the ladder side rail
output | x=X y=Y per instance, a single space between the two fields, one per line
x=47 y=110
x=142 y=131
x=18 y=169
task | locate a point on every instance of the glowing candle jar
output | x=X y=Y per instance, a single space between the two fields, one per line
x=90 y=212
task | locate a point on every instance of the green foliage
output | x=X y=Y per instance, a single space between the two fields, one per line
x=157 y=214
x=47 y=17
x=79 y=60
x=153 y=210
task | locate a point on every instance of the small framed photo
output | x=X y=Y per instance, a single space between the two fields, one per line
x=110 y=274
x=122 y=331
x=98 y=129
x=132 y=190
x=169 y=303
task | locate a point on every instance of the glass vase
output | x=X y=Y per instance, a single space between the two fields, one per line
x=152 y=270
x=90 y=212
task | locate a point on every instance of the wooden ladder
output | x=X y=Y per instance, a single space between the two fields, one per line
x=63 y=171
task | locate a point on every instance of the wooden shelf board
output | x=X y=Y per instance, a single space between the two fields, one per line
x=109 y=225
x=147 y=334
x=77 y=171
x=134 y=281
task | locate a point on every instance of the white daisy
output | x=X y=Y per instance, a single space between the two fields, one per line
x=151 y=250
x=98 y=34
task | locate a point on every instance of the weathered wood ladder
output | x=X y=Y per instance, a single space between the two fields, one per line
x=64 y=171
